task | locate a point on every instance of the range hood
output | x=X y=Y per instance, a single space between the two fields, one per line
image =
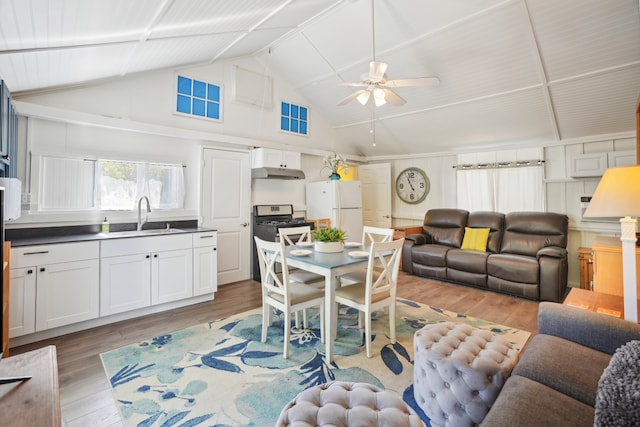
x=276 y=173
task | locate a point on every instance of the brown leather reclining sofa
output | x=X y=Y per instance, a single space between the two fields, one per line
x=525 y=254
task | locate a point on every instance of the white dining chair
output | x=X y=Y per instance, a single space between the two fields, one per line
x=375 y=293
x=295 y=236
x=369 y=236
x=281 y=293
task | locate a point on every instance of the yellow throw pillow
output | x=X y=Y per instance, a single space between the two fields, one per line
x=475 y=239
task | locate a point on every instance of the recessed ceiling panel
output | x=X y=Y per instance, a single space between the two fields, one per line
x=596 y=105
x=577 y=36
x=46 y=23
x=153 y=54
x=519 y=118
x=191 y=17
x=66 y=67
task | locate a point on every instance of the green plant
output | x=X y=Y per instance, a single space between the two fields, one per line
x=328 y=235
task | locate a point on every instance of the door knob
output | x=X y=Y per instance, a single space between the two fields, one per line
x=244 y=224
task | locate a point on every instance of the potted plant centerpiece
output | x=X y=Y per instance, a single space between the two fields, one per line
x=328 y=240
x=334 y=162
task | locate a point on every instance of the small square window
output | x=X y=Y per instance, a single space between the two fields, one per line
x=198 y=107
x=294 y=118
x=184 y=85
x=184 y=104
x=213 y=93
x=198 y=98
x=284 y=123
x=199 y=89
x=213 y=110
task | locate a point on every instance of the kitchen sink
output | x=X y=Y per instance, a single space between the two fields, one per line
x=134 y=233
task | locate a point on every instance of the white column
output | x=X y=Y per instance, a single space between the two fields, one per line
x=630 y=290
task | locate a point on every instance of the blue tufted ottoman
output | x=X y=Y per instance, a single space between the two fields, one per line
x=348 y=404
x=458 y=372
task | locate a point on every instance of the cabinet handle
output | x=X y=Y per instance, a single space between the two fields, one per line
x=42 y=269
x=215 y=249
x=36 y=253
x=29 y=271
x=206 y=237
x=155 y=255
x=148 y=256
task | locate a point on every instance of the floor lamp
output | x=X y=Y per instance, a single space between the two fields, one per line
x=618 y=195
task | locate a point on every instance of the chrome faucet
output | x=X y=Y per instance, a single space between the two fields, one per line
x=146 y=217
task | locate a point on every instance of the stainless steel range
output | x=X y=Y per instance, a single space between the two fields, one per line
x=266 y=221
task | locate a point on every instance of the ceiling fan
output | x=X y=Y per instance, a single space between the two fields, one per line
x=375 y=84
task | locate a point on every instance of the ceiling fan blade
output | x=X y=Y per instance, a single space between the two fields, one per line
x=359 y=84
x=393 y=98
x=416 y=81
x=377 y=70
x=351 y=97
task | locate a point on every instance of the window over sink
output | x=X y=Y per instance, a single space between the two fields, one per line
x=68 y=183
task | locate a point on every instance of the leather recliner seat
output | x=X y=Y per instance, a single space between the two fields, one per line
x=525 y=255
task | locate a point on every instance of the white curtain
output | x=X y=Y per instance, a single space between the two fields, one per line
x=507 y=189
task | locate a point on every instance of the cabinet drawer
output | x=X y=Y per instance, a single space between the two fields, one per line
x=28 y=256
x=209 y=238
x=138 y=245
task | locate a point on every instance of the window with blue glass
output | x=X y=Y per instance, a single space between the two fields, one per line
x=198 y=98
x=294 y=118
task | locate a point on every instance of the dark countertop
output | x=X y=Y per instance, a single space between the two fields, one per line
x=52 y=235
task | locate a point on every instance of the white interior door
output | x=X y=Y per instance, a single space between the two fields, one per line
x=226 y=207
x=376 y=194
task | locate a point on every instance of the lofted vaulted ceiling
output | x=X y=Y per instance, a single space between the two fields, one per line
x=512 y=72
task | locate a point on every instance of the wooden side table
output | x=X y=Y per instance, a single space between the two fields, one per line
x=598 y=302
x=34 y=402
x=405 y=230
x=607 y=265
x=585 y=255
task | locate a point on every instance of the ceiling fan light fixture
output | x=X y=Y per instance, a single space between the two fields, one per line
x=363 y=97
x=379 y=97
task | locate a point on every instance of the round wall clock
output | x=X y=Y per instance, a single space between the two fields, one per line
x=412 y=185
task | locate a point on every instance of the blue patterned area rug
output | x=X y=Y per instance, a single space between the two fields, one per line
x=220 y=374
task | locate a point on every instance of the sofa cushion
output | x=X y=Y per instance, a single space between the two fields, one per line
x=445 y=226
x=430 y=255
x=563 y=365
x=514 y=268
x=618 y=396
x=524 y=402
x=494 y=221
x=528 y=232
x=469 y=261
x=475 y=239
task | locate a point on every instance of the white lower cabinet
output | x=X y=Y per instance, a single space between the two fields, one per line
x=171 y=275
x=142 y=271
x=53 y=285
x=65 y=283
x=126 y=283
x=205 y=263
x=22 y=302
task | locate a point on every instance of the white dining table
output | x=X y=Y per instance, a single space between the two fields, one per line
x=330 y=265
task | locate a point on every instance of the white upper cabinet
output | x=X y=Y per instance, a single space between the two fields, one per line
x=588 y=165
x=270 y=158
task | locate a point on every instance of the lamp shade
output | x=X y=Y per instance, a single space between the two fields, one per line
x=617 y=194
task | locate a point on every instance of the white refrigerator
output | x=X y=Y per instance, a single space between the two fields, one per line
x=340 y=201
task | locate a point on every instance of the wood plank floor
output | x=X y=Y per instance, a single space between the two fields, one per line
x=85 y=394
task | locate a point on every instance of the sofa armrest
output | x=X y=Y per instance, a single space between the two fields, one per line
x=595 y=330
x=552 y=251
x=418 y=239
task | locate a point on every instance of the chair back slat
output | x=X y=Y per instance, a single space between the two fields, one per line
x=383 y=267
x=376 y=234
x=270 y=254
x=295 y=235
